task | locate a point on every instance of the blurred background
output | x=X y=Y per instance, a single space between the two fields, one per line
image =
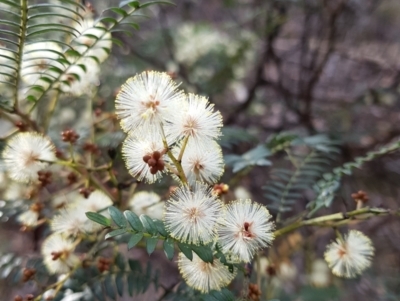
x=308 y=73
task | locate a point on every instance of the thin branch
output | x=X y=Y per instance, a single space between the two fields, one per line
x=268 y=52
x=336 y=219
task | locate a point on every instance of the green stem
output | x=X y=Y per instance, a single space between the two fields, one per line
x=21 y=42
x=85 y=172
x=181 y=173
x=185 y=141
x=52 y=108
x=335 y=219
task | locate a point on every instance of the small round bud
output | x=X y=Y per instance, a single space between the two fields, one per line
x=152 y=162
x=22 y=127
x=98 y=112
x=28 y=274
x=72 y=178
x=360 y=196
x=59 y=154
x=29 y=297
x=160 y=165
x=153 y=170
x=146 y=158
x=271 y=270
x=69 y=136
x=156 y=155
x=86 y=191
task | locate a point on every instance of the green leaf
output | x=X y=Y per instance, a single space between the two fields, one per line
x=151 y=243
x=133 y=241
x=117 y=42
x=98 y=218
x=117 y=217
x=97 y=291
x=155 y=2
x=255 y=156
x=169 y=248
x=134 y=265
x=120 y=261
x=119 y=11
x=149 y=224
x=134 y=25
x=31 y=98
x=119 y=283
x=133 y=220
x=209 y=297
x=11 y=3
x=160 y=227
x=204 y=252
x=41 y=5
x=40 y=31
x=131 y=3
x=131 y=280
x=186 y=250
x=222 y=295
x=115 y=233
x=109 y=288
x=108 y=20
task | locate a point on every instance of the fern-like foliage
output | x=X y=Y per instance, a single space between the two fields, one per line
x=123 y=278
x=327 y=186
x=10 y=268
x=309 y=158
x=25 y=23
x=185 y=293
x=42 y=46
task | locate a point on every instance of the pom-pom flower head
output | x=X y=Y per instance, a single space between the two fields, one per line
x=94 y=36
x=350 y=256
x=204 y=276
x=148 y=203
x=202 y=163
x=7 y=62
x=143 y=152
x=37 y=59
x=192 y=215
x=80 y=77
x=149 y=98
x=246 y=229
x=198 y=121
x=58 y=254
x=72 y=220
x=24 y=156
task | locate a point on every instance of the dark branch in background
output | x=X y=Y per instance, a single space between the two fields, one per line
x=312 y=62
x=307 y=94
x=268 y=52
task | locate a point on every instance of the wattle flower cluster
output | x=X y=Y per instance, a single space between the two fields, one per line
x=158 y=117
x=171 y=132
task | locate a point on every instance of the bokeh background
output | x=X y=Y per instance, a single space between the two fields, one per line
x=304 y=67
